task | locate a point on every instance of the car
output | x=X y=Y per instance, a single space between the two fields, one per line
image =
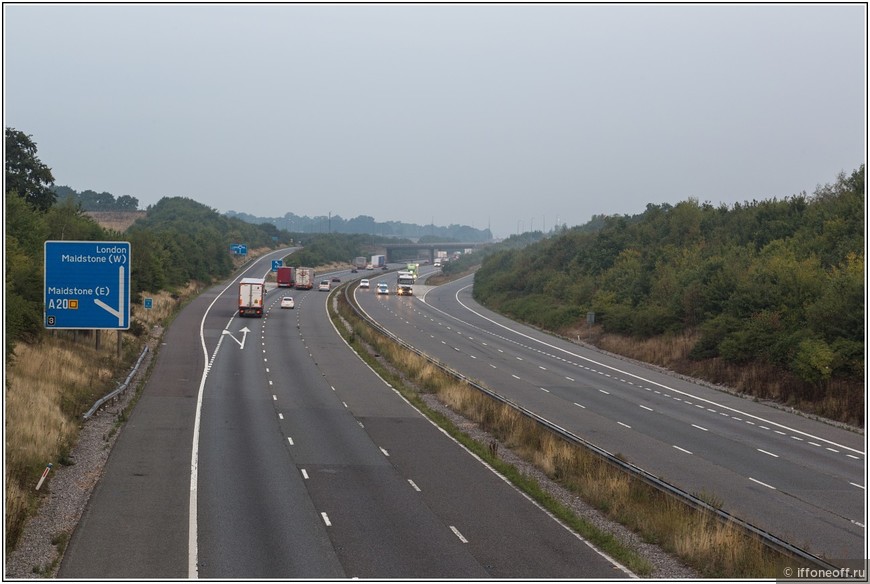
x=383 y=288
x=324 y=286
x=385 y=268
x=336 y=279
x=287 y=302
x=364 y=283
x=353 y=271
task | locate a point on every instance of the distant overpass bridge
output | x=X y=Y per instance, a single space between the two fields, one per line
x=403 y=250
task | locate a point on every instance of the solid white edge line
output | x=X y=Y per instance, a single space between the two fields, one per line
x=192 y=545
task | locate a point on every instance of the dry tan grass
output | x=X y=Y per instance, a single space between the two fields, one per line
x=48 y=386
x=45 y=383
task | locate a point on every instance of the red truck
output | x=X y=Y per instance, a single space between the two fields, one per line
x=286 y=277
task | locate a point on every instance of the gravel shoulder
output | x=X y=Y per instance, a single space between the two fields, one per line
x=40 y=548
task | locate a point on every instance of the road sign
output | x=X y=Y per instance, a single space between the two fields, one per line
x=149 y=303
x=277 y=264
x=87 y=285
x=239 y=248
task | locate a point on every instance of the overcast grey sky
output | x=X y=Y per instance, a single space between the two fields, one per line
x=508 y=116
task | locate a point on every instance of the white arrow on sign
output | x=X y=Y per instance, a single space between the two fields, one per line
x=244 y=332
x=119 y=313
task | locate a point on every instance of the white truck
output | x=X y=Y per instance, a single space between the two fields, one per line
x=304 y=278
x=378 y=261
x=252 y=296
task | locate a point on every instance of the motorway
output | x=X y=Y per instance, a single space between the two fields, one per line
x=265 y=448
x=800 y=479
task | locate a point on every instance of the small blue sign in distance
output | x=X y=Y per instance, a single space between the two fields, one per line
x=87 y=285
x=277 y=264
x=149 y=303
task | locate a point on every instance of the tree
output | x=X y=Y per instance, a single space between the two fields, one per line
x=26 y=175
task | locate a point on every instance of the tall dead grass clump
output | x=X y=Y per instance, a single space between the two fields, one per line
x=47 y=385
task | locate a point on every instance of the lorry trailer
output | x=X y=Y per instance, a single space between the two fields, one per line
x=285 y=277
x=304 y=278
x=252 y=296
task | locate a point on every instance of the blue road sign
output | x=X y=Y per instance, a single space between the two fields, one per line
x=87 y=285
x=239 y=248
x=277 y=264
x=149 y=303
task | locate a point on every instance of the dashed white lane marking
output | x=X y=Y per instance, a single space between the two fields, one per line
x=290 y=440
x=762 y=484
x=384 y=450
x=646 y=408
x=326 y=519
x=623 y=424
x=413 y=484
x=304 y=474
x=768 y=453
x=681 y=449
x=459 y=535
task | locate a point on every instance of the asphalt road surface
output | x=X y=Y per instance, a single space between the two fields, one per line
x=299 y=462
x=800 y=479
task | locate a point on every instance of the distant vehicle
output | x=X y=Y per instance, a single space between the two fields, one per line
x=304 y=278
x=379 y=261
x=364 y=283
x=287 y=302
x=285 y=277
x=252 y=294
x=324 y=286
x=383 y=288
x=385 y=268
x=437 y=263
x=359 y=262
x=404 y=290
x=353 y=271
x=406 y=277
x=336 y=279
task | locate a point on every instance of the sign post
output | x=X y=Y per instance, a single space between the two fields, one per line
x=87 y=285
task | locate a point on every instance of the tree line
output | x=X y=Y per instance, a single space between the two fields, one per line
x=364 y=224
x=179 y=240
x=778 y=282
x=90 y=200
